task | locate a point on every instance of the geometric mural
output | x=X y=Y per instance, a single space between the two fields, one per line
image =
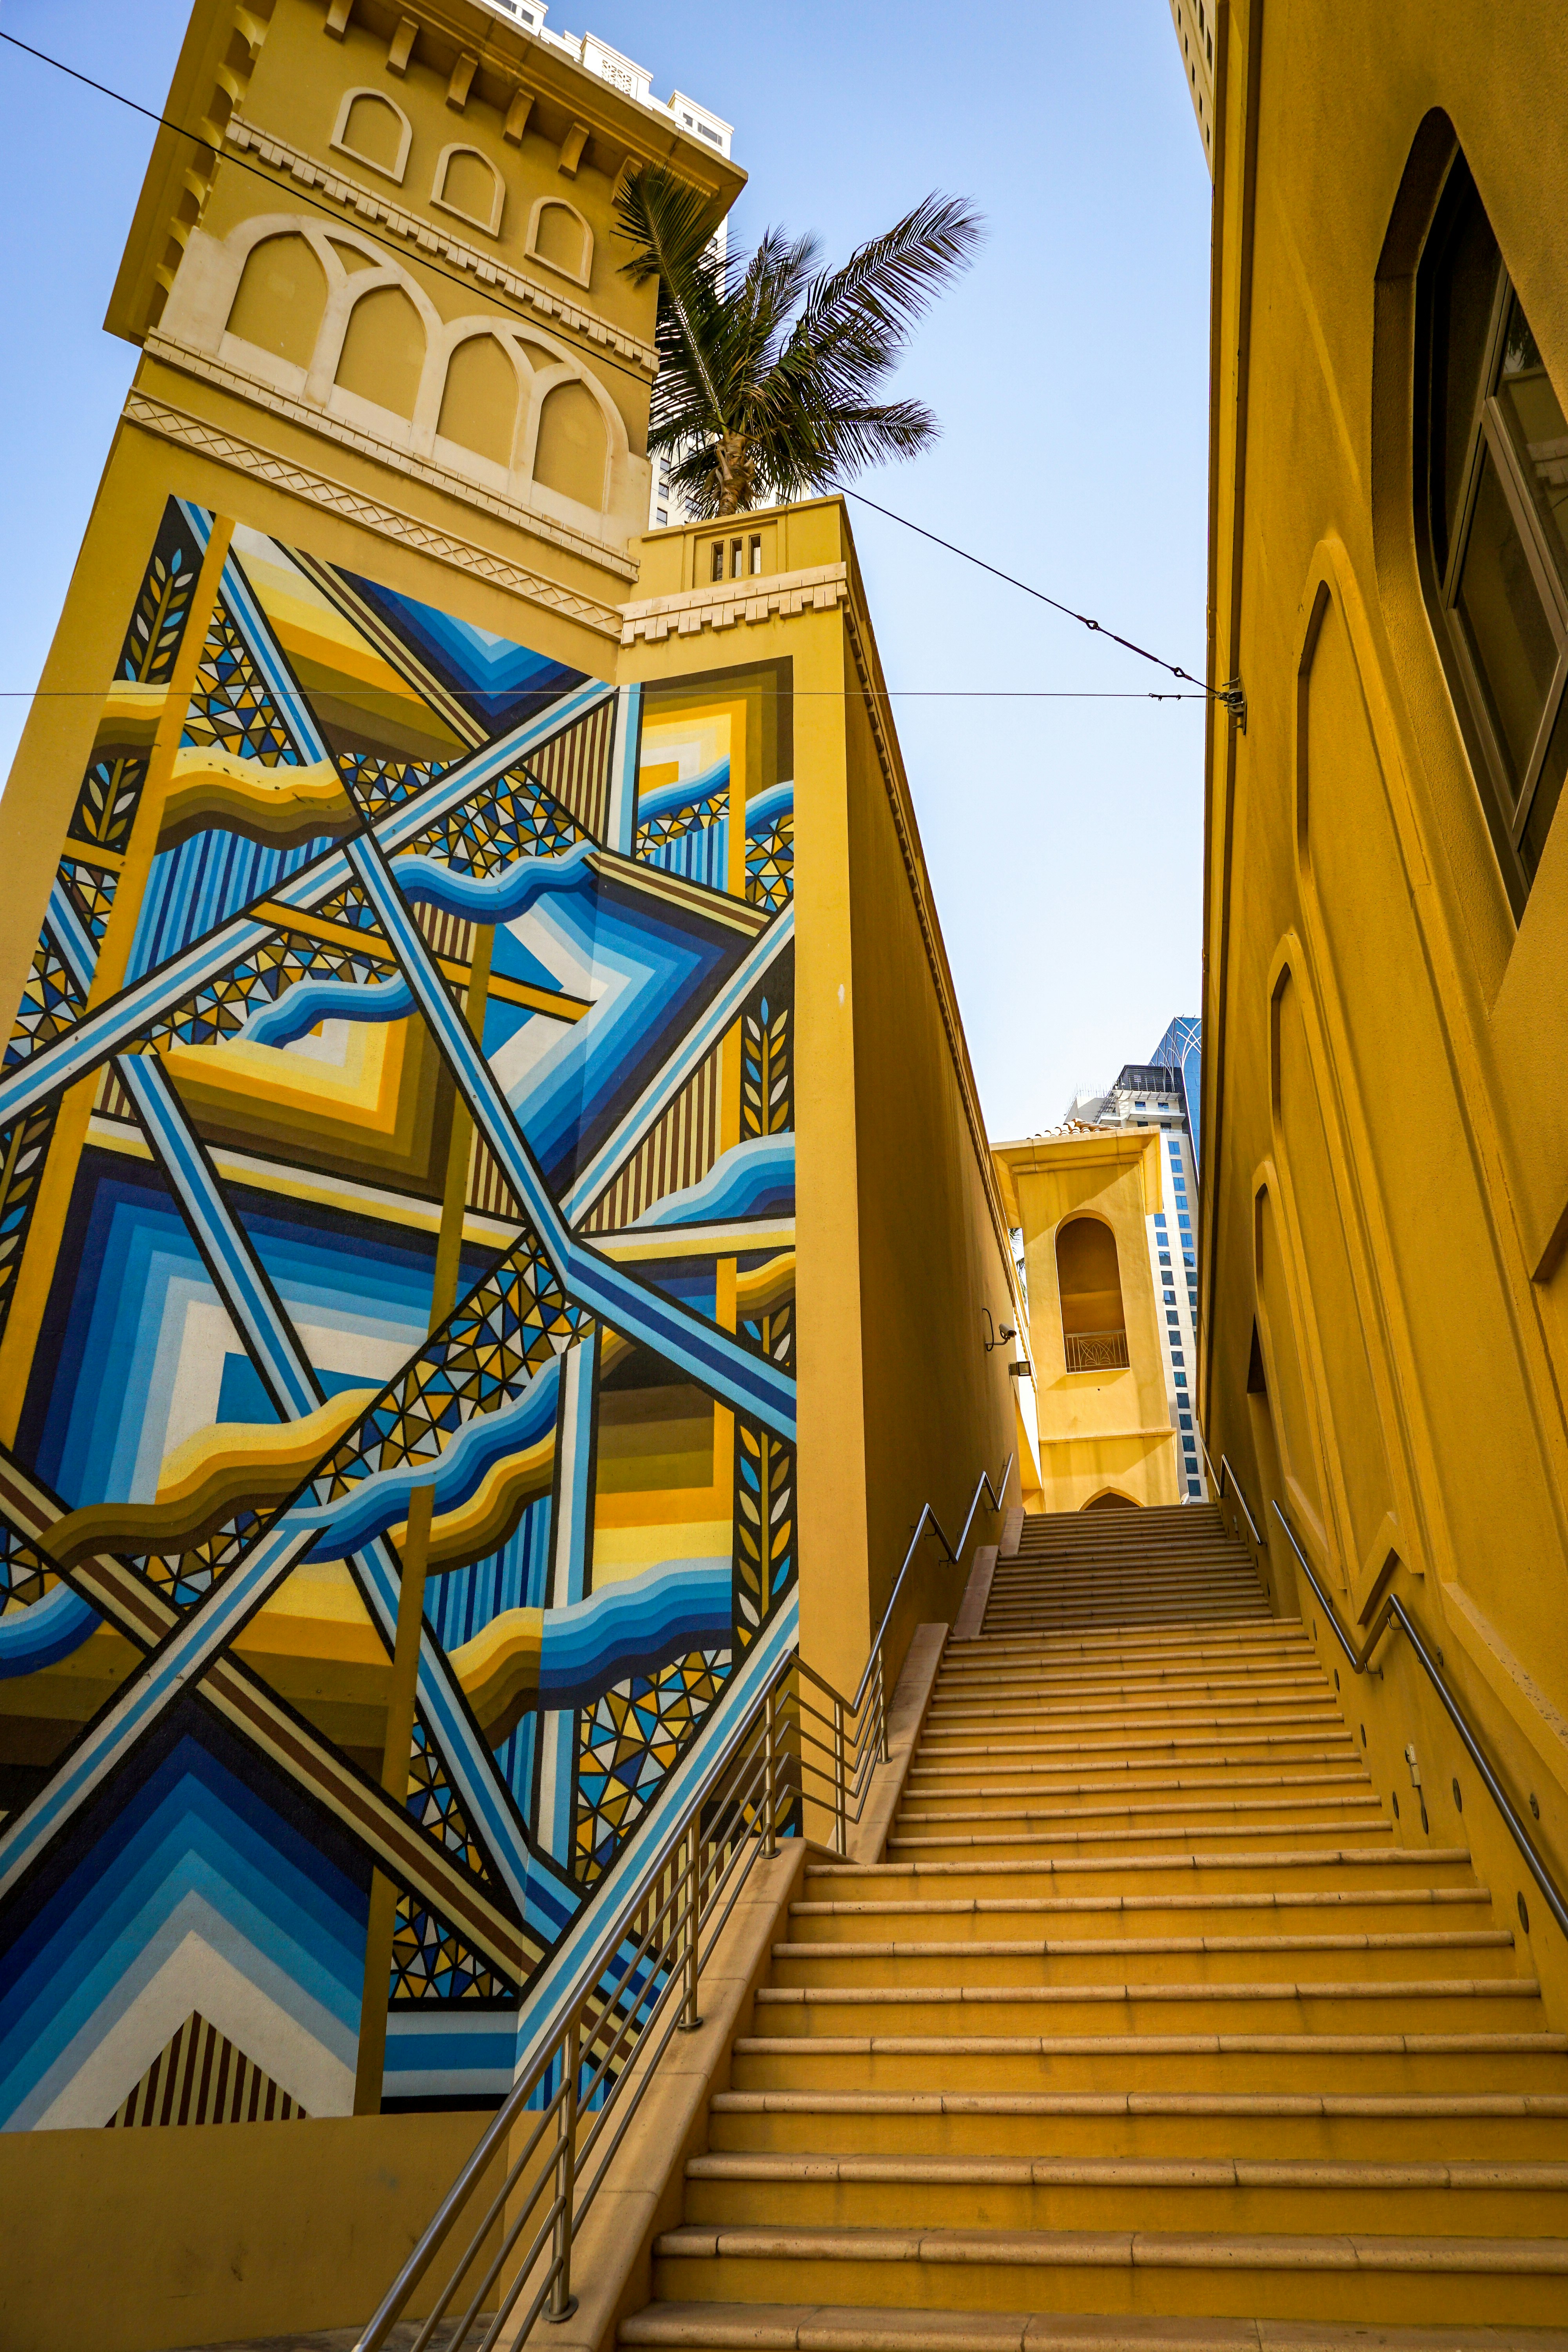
x=396 y=1214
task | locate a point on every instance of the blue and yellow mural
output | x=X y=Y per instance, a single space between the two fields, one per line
x=396 y=1165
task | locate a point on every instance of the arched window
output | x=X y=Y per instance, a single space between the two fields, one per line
x=383 y=349
x=1493 y=512
x=374 y=130
x=478 y=404
x=569 y=455
x=560 y=237
x=1094 y=1327
x=278 y=302
x=469 y=184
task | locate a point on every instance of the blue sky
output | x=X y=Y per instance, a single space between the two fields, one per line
x=1069 y=371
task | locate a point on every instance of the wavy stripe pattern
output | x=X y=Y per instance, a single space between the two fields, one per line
x=380 y=1504
x=560 y=1658
x=754 y=1178
x=309 y=1002
x=206 y=1479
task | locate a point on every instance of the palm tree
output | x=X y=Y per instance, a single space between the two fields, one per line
x=767 y=366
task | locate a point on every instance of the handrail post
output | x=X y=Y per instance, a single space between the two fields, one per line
x=881 y=1712
x=770 y=1796
x=690 y=2021
x=840 y=1838
x=562 y=2303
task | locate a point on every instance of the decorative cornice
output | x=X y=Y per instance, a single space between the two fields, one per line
x=819 y=589
x=260 y=394
x=371 y=514
x=574 y=316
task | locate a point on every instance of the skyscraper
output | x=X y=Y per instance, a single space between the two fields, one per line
x=1164 y=1094
x=1195 y=24
x=1181 y=1049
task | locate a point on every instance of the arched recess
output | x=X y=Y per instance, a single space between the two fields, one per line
x=560 y=237
x=468 y=183
x=1089 y=1284
x=280 y=298
x=481 y=399
x=1315 y=1191
x=384 y=347
x=570 y=447
x=1294 y=1433
x=374 y=130
x=1109 y=1499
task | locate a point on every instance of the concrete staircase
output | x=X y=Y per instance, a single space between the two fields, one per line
x=1147 y=2031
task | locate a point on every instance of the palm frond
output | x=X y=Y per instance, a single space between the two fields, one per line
x=769 y=367
x=665 y=221
x=893 y=277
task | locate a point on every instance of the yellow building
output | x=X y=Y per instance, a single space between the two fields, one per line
x=1386 y=1195
x=465 y=1323
x=1105 y=1421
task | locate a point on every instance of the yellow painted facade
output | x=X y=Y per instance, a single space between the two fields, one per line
x=1384 y=1299
x=1105 y=1435
x=389 y=370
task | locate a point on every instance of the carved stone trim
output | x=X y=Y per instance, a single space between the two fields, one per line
x=230 y=378
x=388 y=522
x=574 y=316
x=821 y=588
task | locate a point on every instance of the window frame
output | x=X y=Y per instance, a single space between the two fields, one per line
x=1487 y=432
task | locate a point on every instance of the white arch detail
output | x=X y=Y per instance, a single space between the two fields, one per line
x=438 y=196
x=405 y=143
x=197 y=315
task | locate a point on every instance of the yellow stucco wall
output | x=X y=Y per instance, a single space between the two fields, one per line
x=900 y=1403
x=200 y=2235
x=1386 y=1131
x=1099 y=1431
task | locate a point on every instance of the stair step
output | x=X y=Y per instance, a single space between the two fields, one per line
x=1391 y=1911
x=1148 y=2031
x=1424 y=2005
x=1363 y=2127
x=1322 y=1866
x=1025 y=1844
x=1207 y=1784
x=795 y=2327
x=1223 y=2194
x=1360 y=2276
x=993 y=1961
x=1384 y=2062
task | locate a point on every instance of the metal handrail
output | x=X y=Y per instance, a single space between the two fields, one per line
x=1392 y=1611
x=1226 y=1472
x=983 y=1486
x=611 y=2026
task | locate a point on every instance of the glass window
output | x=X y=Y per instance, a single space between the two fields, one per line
x=1495 y=510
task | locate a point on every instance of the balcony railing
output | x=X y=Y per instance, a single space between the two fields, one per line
x=1096 y=1351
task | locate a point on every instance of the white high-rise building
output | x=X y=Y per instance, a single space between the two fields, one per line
x=634 y=81
x=1194 y=20
x=1151 y=1095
